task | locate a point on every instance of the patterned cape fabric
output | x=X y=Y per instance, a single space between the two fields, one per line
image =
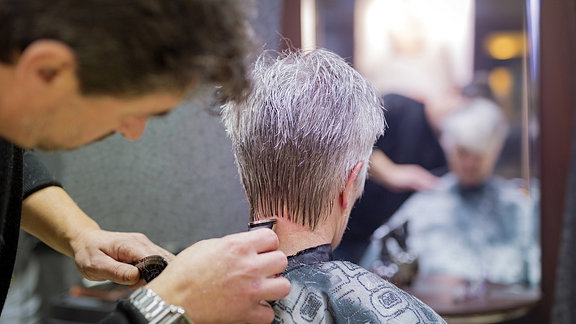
x=326 y=291
x=485 y=233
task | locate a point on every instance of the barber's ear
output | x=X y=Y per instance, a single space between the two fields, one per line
x=350 y=187
x=47 y=65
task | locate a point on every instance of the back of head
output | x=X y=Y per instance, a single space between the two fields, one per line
x=308 y=120
x=129 y=48
x=479 y=126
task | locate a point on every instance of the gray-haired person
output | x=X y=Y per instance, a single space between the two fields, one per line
x=302 y=139
x=474 y=225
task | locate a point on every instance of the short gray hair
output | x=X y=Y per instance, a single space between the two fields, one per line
x=479 y=126
x=308 y=120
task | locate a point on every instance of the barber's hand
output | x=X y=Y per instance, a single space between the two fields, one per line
x=226 y=280
x=399 y=177
x=409 y=177
x=104 y=255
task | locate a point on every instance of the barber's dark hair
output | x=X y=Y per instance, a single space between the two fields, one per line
x=132 y=47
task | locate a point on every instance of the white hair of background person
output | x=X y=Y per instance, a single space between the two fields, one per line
x=479 y=126
x=298 y=134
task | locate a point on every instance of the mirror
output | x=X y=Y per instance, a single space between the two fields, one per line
x=420 y=48
x=423 y=48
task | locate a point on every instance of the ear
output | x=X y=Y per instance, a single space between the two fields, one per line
x=46 y=65
x=350 y=186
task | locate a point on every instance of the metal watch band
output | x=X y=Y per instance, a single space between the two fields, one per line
x=155 y=310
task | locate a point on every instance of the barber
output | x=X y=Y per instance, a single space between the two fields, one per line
x=72 y=72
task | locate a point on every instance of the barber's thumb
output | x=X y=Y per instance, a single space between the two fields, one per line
x=126 y=274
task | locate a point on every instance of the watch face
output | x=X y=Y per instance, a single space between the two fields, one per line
x=151 y=266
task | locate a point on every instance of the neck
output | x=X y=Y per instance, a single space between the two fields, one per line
x=294 y=237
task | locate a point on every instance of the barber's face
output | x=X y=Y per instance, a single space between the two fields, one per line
x=82 y=120
x=471 y=168
x=42 y=107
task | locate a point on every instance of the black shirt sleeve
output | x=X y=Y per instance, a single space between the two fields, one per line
x=36 y=175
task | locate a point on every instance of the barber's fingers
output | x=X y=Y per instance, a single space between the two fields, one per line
x=128 y=247
x=261 y=313
x=261 y=240
x=274 y=288
x=270 y=263
x=102 y=267
x=265 y=261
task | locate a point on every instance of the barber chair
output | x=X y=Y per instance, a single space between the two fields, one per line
x=388 y=255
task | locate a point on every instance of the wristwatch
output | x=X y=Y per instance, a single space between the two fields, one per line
x=155 y=310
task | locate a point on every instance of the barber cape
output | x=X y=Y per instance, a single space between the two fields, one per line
x=489 y=232
x=327 y=291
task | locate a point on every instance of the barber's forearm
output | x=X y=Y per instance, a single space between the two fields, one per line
x=52 y=216
x=380 y=165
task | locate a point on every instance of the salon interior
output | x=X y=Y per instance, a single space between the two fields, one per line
x=523 y=50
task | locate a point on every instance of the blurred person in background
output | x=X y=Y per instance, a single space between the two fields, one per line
x=473 y=224
x=407 y=160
